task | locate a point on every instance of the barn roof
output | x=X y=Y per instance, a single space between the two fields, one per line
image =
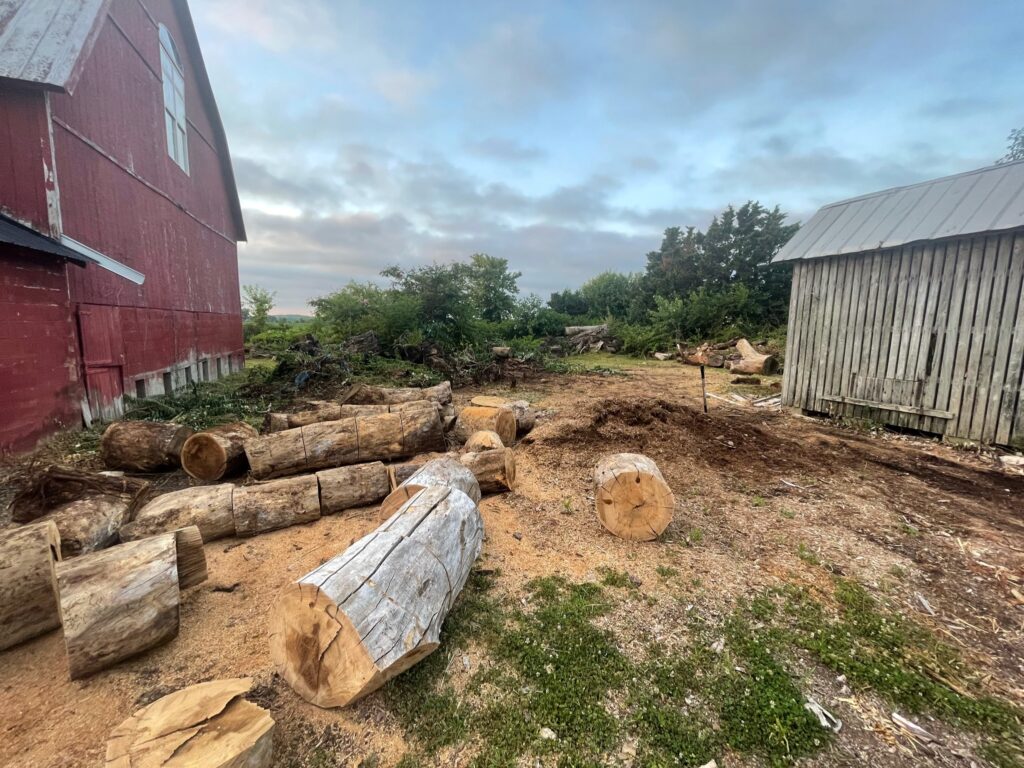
x=986 y=200
x=15 y=233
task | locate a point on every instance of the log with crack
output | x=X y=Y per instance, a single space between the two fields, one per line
x=632 y=498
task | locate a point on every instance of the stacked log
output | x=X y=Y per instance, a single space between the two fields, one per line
x=753 y=362
x=143 y=446
x=268 y=506
x=632 y=498
x=526 y=417
x=355 y=486
x=28 y=585
x=345 y=628
x=368 y=395
x=123 y=601
x=474 y=418
x=217 y=452
x=494 y=470
x=484 y=440
x=447 y=471
x=704 y=355
x=209 y=724
x=338 y=443
x=328 y=411
x=590 y=338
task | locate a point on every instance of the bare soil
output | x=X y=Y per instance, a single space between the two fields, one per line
x=756 y=491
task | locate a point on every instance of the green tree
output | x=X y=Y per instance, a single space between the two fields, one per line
x=256 y=305
x=493 y=287
x=609 y=294
x=569 y=302
x=444 y=293
x=1014 y=146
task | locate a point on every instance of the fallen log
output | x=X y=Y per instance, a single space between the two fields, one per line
x=576 y=330
x=526 y=417
x=217 y=452
x=208 y=507
x=91 y=524
x=345 y=628
x=355 y=440
x=484 y=440
x=446 y=471
x=501 y=353
x=28 y=586
x=495 y=470
x=663 y=356
x=632 y=498
x=122 y=601
x=208 y=724
x=277 y=504
x=355 y=486
x=326 y=411
x=143 y=446
x=365 y=394
x=752 y=361
x=474 y=418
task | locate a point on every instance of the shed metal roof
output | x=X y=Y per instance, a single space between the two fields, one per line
x=15 y=233
x=986 y=200
x=42 y=41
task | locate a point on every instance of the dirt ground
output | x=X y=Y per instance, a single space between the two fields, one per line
x=761 y=497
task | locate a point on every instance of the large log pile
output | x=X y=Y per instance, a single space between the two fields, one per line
x=590 y=338
x=345 y=628
x=28 y=585
x=632 y=498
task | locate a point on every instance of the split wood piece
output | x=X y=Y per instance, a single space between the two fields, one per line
x=355 y=440
x=356 y=486
x=217 y=452
x=277 y=504
x=474 y=418
x=122 y=601
x=526 y=417
x=447 y=472
x=753 y=361
x=28 y=586
x=494 y=470
x=209 y=724
x=376 y=609
x=208 y=507
x=441 y=393
x=484 y=440
x=143 y=446
x=399 y=473
x=327 y=411
x=633 y=501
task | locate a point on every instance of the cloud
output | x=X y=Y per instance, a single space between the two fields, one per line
x=504 y=149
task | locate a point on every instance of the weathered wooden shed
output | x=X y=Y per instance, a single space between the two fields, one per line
x=907 y=307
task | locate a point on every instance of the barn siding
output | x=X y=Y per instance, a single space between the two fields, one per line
x=912 y=334
x=24 y=154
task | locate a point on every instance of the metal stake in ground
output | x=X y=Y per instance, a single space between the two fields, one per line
x=703 y=389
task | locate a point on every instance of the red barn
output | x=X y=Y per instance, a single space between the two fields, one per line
x=119 y=216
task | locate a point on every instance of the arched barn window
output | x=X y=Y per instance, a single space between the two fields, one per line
x=174 y=99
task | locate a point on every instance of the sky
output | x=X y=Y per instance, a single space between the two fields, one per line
x=566 y=136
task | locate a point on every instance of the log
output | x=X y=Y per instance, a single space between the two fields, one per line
x=326 y=411
x=752 y=361
x=633 y=500
x=704 y=355
x=90 y=524
x=573 y=330
x=495 y=471
x=28 y=586
x=356 y=486
x=206 y=507
x=278 y=504
x=208 y=724
x=217 y=452
x=474 y=418
x=526 y=417
x=354 y=440
x=446 y=471
x=501 y=353
x=58 y=485
x=484 y=440
x=143 y=446
x=376 y=609
x=123 y=601
x=663 y=356
x=440 y=393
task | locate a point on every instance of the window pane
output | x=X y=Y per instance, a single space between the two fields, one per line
x=182 y=148
x=168 y=93
x=169 y=123
x=179 y=106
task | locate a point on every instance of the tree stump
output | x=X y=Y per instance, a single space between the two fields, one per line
x=122 y=601
x=484 y=440
x=474 y=418
x=143 y=446
x=354 y=486
x=633 y=501
x=209 y=724
x=217 y=452
x=447 y=471
x=494 y=470
x=28 y=586
x=276 y=504
x=376 y=609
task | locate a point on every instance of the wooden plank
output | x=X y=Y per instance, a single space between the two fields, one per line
x=1010 y=405
x=810 y=314
x=919 y=337
x=841 y=327
x=821 y=324
x=980 y=335
x=958 y=262
x=938 y=302
x=793 y=326
x=830 y=323
x=855 y=322
x=998 y=328
x=958 y=367
x=895 y=307
x=898 y=407
x=873 y=309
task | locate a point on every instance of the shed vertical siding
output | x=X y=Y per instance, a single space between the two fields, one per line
x=927 y=336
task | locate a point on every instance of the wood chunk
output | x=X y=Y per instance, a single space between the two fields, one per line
x=474 y=418
x=753 y=361
x=28 y=586
x=376 y=609
x=276 y=504
x=526 y=417
x=190 y=557
x=143 y=446
x=217 y=452
x=447 y=471
x=208 y=725
x=357 y=485
x=494 y=470
x=208 y=507
x=633 y=501
x=484 y=440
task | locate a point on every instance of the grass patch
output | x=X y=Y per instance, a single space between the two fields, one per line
x=619 y=579
x=666 y=572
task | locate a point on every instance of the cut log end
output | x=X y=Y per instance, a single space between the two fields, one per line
x=188 y=544
x=483 y=440
x=474 y=418
x=204 y=458
x=28 y=584
x=632 y=499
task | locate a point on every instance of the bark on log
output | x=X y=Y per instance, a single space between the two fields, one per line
x=753 y=362
x=474 y=418
x=57 y=485
x=356 y=486
x=447 y=472
x=484 y=440
x=573 y=330
x=91 y=524
x=441 y=393
x=217 y=452
x=347 y=441
x=501 y=353
x=277 y=504
x=143 y=446
x=28 y=586
x=633 y=501
x=376 y=609
x=526 y=418
x=326 y=411
x=703 y=355
x=209 y=724
x=495 y=470
x=122 y=601
x=206 y=507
